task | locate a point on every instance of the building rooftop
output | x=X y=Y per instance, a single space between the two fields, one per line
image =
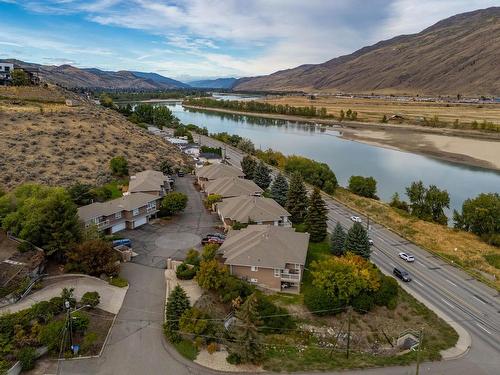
x=250 y=208
x=232 y=187
x=265 y=246
x=127 y=202
x=147 y=181
x=214 y=171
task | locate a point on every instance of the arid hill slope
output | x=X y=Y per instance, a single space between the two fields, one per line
x=458 y=55
x=43 y=140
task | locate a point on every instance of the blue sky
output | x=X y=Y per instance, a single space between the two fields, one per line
x=188 y=39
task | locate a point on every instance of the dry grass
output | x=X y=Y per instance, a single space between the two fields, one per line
x=50 y=143
x=463 y=248
x=372 y=110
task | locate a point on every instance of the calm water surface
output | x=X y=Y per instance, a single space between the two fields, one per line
x=393 y=170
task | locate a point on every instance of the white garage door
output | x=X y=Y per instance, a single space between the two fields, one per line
x=117 y=227
x=139 y=222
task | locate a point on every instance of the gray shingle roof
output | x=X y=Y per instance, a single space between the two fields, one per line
x=265 y=246
x=127 y=203
x=232 y=187
x=245 y=208
x=147 y=181
x=213 y=171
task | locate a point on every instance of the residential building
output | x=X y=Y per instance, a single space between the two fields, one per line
x=151 y=182
x=252 y=209
x=215 y=171
x=127 y=212
x=228 y=187
x=268 y=256
x=191 y=149
x=5 y=73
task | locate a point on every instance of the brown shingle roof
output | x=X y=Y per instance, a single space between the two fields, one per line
x=265 y=246
x=246 y=208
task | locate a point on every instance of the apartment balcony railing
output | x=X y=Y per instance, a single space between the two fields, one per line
x=290 y=276
x=102 y=224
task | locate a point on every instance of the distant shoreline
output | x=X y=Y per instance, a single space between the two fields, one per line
x=470 y=148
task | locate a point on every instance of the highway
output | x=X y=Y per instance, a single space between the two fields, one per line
x=451 y=293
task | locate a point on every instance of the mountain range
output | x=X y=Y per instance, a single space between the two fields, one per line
x=458 y=55
x=218 y=83
x=72 y=77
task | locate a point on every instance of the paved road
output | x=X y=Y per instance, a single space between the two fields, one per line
x=461 y=298
x=136 y=344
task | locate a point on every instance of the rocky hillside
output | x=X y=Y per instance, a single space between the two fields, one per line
x=72 y=77
x=44 y=140
x=458 y=55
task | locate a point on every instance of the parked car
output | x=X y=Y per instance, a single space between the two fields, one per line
x=222 y=236
x=407 y=257
x=356 y=219
x=207 y=240
x=123 y=241
x=370 y=241
x=402 y=274
x=180 y=174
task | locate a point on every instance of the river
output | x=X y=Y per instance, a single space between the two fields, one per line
x=393 y=170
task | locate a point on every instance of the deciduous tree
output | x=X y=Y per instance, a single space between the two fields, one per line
x=93 y=257
x=363 y=186
x=174 y=202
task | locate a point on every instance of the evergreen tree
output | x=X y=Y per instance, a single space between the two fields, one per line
x=248 y=165
x=316 y=217
x=337 y=244
x=357 y=241
x=261 y=176
x=279 y=189
x=296 y=200
x=247 y=343
x=177 y=303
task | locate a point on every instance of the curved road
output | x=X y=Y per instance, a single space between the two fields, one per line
x=464 y=301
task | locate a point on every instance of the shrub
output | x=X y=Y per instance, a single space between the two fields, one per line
x=209 y=251
x=88 y=341
x=57 y=304
x=233 y=287
x=91 y=298
x=24 y=247
x=80 y=321
x=212 y=347
x=233 y=358
x=363 y=186
x=387 y=294
x=27 y=356
x=320 y=303
x=363 y=302
x=50 y=335
x=119 y=166
x=194 y=321
x=192 y=257
x=43 y=311
x=173 y=203
x=275 y=319
x=185 y=272
x=211 y=274
x=212 y=199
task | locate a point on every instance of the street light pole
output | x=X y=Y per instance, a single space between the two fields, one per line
x=420 y=338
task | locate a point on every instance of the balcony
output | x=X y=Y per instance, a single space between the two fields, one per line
x=294 y=277
x=102 y=224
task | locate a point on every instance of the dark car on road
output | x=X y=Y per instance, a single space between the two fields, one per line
x=222 y=236
x=216 y=240
x=401 y=273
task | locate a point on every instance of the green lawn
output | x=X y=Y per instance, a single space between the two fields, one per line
x=114 y=187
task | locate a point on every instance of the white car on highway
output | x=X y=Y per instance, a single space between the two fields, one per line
x=356 y=219
x=407 y=257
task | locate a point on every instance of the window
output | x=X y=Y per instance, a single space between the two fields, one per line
x=297 y=267
x=151 y=206
x=118 y=215
x=277 y=272
x=254 y=268
x=135 y=212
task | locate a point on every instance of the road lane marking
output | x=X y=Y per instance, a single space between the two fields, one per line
x=451 y=282
x=484 y=329
x=484 y=303
x=449 y=304
x=418 y=282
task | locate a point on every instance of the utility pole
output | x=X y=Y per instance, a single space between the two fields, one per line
x=70 y=330
x=348 y=330
x=420 y=338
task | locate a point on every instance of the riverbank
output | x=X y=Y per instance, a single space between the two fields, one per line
x=473 y=148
